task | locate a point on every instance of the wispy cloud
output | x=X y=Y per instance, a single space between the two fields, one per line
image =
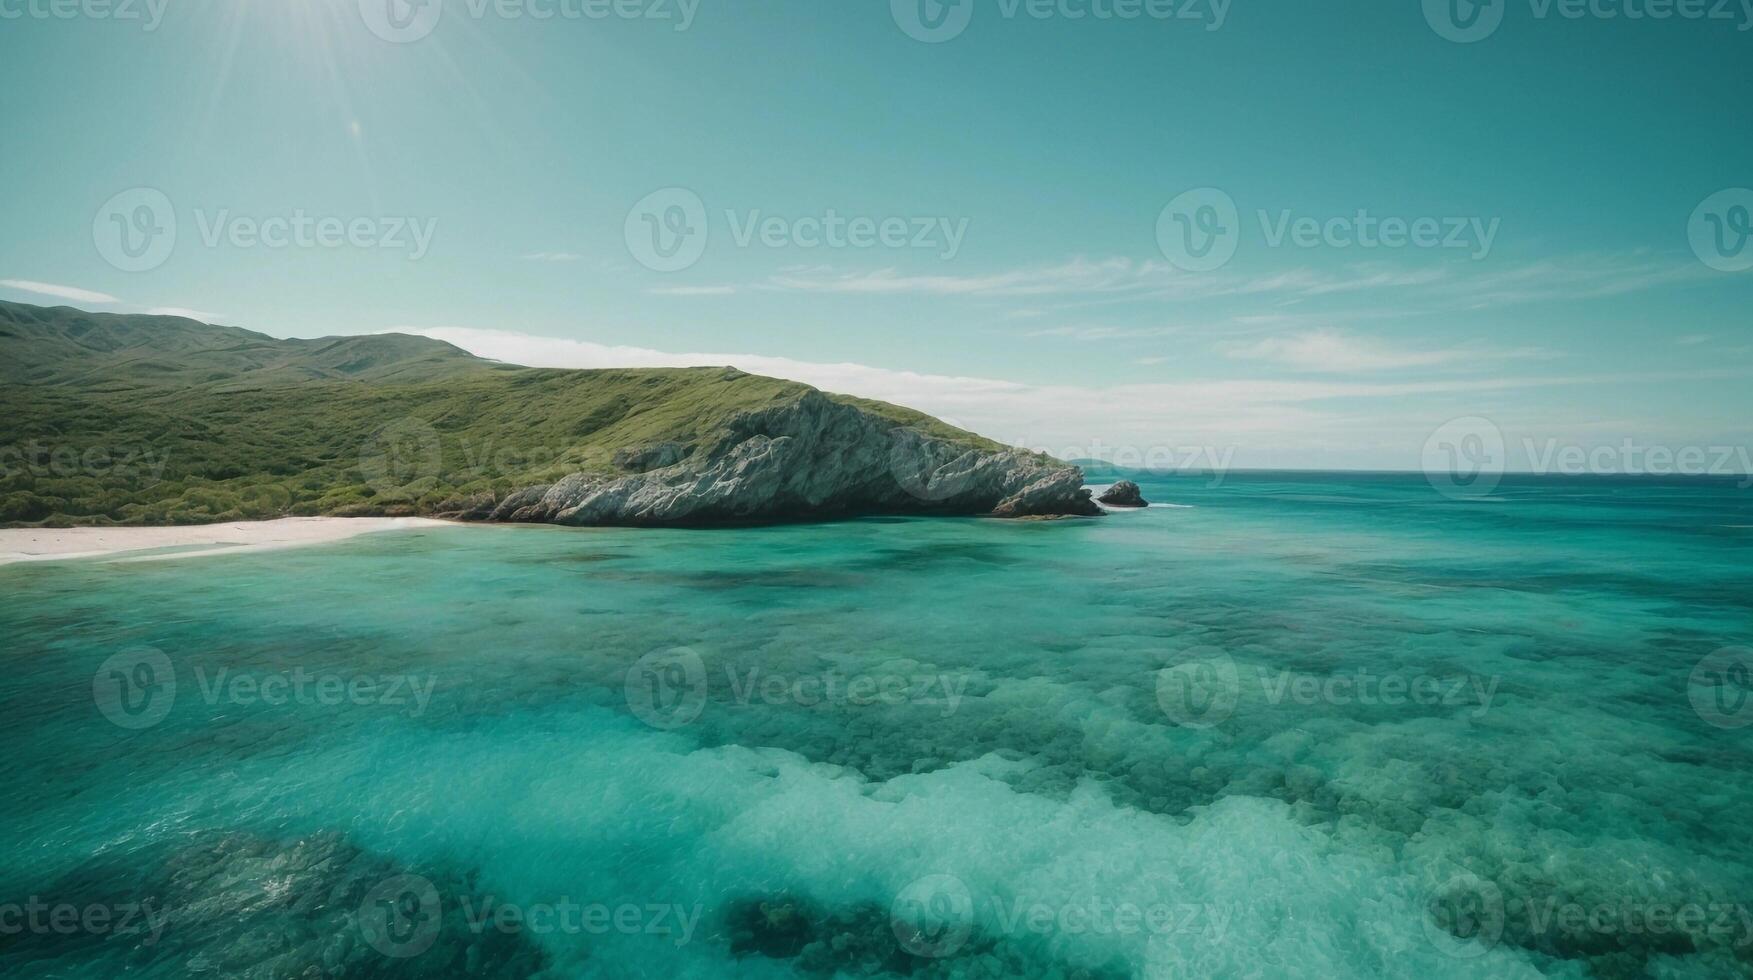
x=1578 y=277
x=1332 y=351
x=1099 y=332
x=1449 y=285
x=692 y=290
x=1075 y=276
x=184 y=312
x=73 y=293
x=553 y=257
x=1260 y=415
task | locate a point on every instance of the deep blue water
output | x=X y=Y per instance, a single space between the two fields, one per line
x=1322 y=725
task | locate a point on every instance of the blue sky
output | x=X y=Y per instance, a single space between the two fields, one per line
x=1564 y=167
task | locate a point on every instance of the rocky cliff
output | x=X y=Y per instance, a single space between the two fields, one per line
x=811 y=458
x=133 y=419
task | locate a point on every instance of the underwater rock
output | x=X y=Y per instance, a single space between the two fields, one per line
x=239 y=905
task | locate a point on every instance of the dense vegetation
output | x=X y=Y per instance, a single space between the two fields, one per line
x=163 y=420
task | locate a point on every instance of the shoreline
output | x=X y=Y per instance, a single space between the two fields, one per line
x=32 y=544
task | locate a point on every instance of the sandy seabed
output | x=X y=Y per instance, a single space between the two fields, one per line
x=47 y=544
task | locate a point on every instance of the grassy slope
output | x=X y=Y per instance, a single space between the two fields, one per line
x=164 y=420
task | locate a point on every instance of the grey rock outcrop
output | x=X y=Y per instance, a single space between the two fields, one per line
x=642 y=459
x=1123 y=494
x=810 y=458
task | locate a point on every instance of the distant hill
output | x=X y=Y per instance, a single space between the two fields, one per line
x=152 y=419
x=68 y=347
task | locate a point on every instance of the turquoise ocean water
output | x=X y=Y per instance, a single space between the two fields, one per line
x=1295 y=725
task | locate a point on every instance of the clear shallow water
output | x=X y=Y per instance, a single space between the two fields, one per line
x=1308 y=725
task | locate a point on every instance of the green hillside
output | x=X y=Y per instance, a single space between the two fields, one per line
x=65 y=347
x=153 y=420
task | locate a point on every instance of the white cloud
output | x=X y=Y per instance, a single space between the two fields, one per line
x=183 y=311
x=73 y=293
x=1451 y=284
x=1264 y=419
x=553 y=257
x=1097 y=332
x=692 y=290
x=1328 y=350
x=1076 y=276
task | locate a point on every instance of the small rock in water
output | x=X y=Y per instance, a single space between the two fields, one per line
x=1123 y=494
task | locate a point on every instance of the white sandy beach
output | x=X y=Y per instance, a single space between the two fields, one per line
x=48 y=544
